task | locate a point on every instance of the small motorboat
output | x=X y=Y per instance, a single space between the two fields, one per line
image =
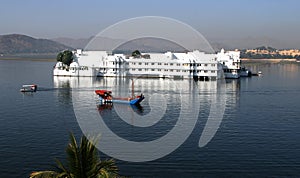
x=106 y=97
x=28 y=88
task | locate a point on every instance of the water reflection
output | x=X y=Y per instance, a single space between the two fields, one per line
x=170 y=107
x=161 y=91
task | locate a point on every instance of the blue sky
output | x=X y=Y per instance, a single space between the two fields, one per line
x=213 y=18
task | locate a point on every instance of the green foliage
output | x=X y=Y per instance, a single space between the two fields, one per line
x=136 y=53
x=59 y=57
x=65 y=57
x=83 y=162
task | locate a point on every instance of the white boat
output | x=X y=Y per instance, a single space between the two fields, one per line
x=231 y=73
x=28 y=88
x=245 y=72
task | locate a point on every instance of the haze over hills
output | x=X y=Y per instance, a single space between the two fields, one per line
x=74 y=43
x=143 y=44
x=21 y=44
x=216 y=43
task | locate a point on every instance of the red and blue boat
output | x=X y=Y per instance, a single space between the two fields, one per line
x=106 y=97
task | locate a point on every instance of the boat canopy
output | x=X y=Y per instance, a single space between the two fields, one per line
x=103 y=92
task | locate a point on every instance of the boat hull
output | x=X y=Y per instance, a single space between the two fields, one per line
x=130 y=101
x=29 y=88
x=231 y=75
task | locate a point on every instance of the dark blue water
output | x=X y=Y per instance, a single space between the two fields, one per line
x=258 y=136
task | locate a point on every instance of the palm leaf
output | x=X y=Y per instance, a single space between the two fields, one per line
x=83 y=162
x=44 y=174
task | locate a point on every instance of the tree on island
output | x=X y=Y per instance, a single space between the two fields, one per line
x=83 y=162
x=65 y=57
x=136 y=53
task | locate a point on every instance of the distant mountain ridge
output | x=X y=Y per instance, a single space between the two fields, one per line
x=15 y=44
x=147 y=44
x=216 y=43
x=74 y=43
x=22 y=44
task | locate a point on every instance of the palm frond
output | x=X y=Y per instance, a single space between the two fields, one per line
x=73 y=157
x=83 y=162
x=108 y=167
x=62 y=169
x=44 y=174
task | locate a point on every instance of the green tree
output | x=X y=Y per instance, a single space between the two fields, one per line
x=83 y=162
x=136 y=53
x=65 y=57
x=59 y=57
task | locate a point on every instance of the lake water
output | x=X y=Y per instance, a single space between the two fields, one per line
x=257 y=136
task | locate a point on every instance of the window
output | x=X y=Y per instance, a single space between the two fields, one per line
x=152 y=63
x=140 y=63
x=171 y=70
x=166 y=64
x=152 y=69
x=171 y=64
x=159 y=69
x=205 y=71
x=166 y=70
x=178 y=64
x=177 y=70
x=213 y=71
x=213 y=65
x=146 y=63
x=205 y=64
x=159 y=63
x=133 y=69
x=146 y=69
x=140 y=69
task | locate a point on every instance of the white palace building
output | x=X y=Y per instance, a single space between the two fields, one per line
x=194 y=64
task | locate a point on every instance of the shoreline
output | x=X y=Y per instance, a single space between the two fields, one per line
x=22 y=59
x=247 y=60
x=28 y=58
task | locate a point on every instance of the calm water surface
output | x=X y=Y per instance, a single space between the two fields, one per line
x=258 y=136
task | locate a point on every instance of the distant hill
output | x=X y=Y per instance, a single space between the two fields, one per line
x=74 y=43
x=14 y=44
x=267 y=48
x=149 y=45
x=158 y=46
x=143 y=44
